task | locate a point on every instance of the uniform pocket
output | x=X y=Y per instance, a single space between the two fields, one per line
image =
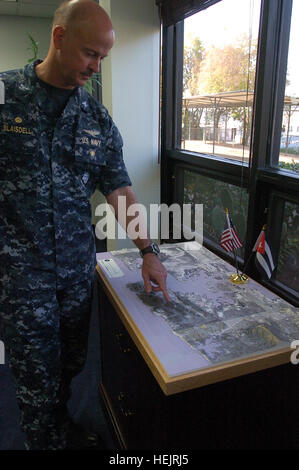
x=89 y=160
x=18 y=138
x=15 y=144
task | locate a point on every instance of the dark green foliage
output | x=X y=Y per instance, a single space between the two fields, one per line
x=289 y=166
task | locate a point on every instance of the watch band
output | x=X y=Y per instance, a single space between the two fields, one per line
x=152 y=248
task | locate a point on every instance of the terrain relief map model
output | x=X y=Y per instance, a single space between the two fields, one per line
x=220 y=320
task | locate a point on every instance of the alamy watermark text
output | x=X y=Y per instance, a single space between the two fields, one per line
x=295 y=354
x=2 y=353
x=2 y=92
x=162 y=221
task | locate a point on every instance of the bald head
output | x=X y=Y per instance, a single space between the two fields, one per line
x=73 y=13
x=82 y=36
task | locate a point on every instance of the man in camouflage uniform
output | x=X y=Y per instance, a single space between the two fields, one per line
x=57 y=145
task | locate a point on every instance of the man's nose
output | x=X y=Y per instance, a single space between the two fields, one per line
x=95 y=65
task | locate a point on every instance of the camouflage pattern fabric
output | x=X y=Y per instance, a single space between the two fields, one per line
x=45 y=336
x=49 y=168
x=48 y=171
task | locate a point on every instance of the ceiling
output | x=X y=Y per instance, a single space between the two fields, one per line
x=36 y=8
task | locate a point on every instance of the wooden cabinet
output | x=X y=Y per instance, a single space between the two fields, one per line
x=255 y=411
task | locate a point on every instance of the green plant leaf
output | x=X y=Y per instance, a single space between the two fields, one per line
x=89 y=84
x=33 y=48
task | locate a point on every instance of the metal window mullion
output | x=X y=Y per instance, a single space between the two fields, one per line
x=167 y=87
x=274 y=224
x=265 y=81
x=204 y=162
x=281 y=72
x=265 y=105
x=167 y=111
x=178 y=64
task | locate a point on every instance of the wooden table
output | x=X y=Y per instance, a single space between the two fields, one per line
x=163 y=388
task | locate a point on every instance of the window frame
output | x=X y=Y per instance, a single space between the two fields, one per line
x=260 y=177
x=277 y=201
x=179 y=199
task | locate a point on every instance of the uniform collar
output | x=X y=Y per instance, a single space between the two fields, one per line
x=33 y=88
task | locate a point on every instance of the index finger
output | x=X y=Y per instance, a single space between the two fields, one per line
x=162 y=285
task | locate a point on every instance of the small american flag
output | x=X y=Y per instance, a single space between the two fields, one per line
x=229 y=238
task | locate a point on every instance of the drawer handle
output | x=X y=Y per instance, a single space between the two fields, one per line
x=125 y=411
x=121 y=339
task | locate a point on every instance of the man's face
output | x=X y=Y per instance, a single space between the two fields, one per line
x=81 y=53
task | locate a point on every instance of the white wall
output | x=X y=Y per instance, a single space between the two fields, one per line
x=131 y=93
x=14 y=39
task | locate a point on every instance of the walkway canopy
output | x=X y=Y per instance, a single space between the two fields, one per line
x=229 y=99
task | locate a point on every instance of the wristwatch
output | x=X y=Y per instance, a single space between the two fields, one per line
x=152 y=248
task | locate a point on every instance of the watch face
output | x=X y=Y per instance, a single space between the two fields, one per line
x=155 y=248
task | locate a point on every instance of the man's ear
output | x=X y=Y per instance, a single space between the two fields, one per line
x=58 y=35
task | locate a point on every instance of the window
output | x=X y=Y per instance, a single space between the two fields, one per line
x=229 y=125
x=220 y=47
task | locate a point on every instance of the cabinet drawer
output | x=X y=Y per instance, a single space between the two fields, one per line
x=126 y=379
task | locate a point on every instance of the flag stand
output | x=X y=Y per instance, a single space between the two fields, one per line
x=229 y=241
x=238 y=278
